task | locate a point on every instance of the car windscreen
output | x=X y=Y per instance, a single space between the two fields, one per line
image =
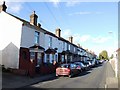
x=64 y=66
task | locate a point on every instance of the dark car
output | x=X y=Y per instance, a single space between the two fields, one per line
x=68 y=70
x=83 y=67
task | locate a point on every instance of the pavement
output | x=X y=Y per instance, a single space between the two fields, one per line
x=10 y=80
x=111 y=80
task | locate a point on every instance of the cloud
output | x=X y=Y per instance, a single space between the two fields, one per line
x=100 y=39
x=84 y=13
x=55 y=2
x=84 y=38
x=79 y=13
x=66 y=33
x=70 y=3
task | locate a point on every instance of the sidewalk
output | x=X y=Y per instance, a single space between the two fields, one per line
x=111 y=80
x=16 y=81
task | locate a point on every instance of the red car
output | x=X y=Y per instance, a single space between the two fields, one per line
x=68 y=70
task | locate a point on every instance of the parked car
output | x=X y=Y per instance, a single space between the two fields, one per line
x=68 y=70
x=83 y=67
x=96 y=62
x=101 y=61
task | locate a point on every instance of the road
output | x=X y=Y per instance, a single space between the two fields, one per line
x=93 y=78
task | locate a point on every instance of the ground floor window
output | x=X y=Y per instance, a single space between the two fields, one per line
x=52 y=58
x=39 y=58
x=48 y=58
x=32 y=55
x=62 y=58
x=56 y=57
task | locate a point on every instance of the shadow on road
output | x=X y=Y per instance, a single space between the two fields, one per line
x=81 y=74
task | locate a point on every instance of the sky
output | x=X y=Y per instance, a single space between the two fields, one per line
x=92 y=23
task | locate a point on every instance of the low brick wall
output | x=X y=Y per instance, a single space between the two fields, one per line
x=47 y=69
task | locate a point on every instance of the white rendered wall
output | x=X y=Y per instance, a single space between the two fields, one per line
x=0 y=56
x=55 y=44
x=28 y=37
x=10 y=34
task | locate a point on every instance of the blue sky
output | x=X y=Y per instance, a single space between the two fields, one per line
x=92 y=24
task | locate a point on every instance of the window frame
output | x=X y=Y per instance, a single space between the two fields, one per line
x=37 y=37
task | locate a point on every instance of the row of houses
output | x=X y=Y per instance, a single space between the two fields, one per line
x=24 y=42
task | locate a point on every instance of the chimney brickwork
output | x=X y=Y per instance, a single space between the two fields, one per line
x=3 y=7
x=71 y=39
x=58 y=32
x=33 y=19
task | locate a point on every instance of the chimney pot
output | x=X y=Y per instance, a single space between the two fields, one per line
x=3 y=7
x=71 y=39
x=39 y=25
x=58 y=32
x=33 y=19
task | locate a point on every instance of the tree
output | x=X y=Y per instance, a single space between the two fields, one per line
x=111 y=56
x=103 y=55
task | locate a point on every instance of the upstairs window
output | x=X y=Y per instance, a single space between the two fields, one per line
x=63 y=45
x=50 y=42
x=74 y=49
x=69 y=46
x=37 y=37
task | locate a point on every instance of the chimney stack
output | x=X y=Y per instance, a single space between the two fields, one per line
x=58 y=32
x=71 y=39
x=33 y=19
x=39 y=25
x=78 y=45
x=3 y=7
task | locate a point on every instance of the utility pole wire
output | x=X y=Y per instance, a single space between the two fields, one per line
x=52 y=14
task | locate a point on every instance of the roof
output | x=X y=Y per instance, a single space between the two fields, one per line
x=36 y=46
x=118 y=50
x=50 y=51
x=43 y=30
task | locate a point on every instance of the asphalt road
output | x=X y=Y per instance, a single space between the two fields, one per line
x=93 y=78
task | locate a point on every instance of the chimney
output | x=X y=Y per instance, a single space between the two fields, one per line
x=39 y=25
x=33 y=19
x=78 y=45
x=71 y=39
x=58 y=32
x=3 y=7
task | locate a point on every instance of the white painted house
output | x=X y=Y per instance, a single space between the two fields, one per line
x=16 y=35
x=25 y=45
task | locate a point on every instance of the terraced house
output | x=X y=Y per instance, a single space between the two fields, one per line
x=26 y=47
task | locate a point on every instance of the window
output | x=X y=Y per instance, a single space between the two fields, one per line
x=63 y=45
x=52 y=58
x=50 y=41
x=56 y=57
x=74 y=49
x=69 y=47
x=62 y=58
x=39 y=58
x=47 y=58
x=37 y=37
x=32 y=55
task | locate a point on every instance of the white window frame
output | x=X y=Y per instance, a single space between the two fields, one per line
x=37 y=37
